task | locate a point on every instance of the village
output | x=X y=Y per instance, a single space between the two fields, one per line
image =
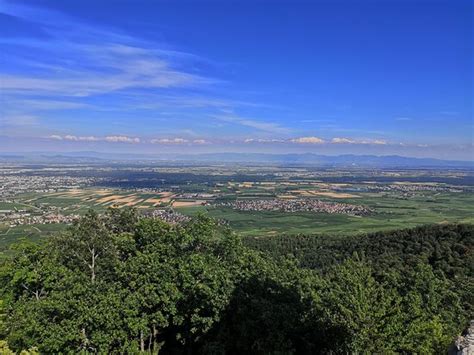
x=24 y=217
x=300 y=205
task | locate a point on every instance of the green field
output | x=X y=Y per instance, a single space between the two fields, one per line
x=15 y=206
x=34 y=232
x=392 y=209
x=391 y=212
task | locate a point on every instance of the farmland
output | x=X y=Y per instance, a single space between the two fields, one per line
x=391 y=212
x=80 y=200
x=35 y=202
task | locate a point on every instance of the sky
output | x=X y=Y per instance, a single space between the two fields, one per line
x=327 y=77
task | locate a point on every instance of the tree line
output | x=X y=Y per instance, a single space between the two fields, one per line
x=115 y=283
x=448 y=249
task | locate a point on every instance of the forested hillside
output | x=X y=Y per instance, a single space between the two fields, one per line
x=447 y=249
x=114 y=283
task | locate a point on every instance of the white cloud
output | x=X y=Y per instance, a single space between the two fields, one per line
x=86 y=82
x=263 y=140
x=178 y=141
x=307 y=140
x=70 y=137
x=200 y=141
x=78 y=61
x=339 y=140
x=122 y=139
x=112 y=139
x=88 y=138
x=169 y=141
x=89 y=61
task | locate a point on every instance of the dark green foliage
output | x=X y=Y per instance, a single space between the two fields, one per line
x=448 y=249
x=121 y=220
x=429 y=269
x=444 y=247
x=269 y=312
x=418 y=314
x=116 y=284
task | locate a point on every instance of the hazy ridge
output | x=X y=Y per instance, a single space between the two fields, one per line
x=346 y=160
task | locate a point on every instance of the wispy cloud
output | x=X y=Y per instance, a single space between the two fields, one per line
x=13 y=104
x=270 y=127
x=19 y=120
x=89 y=69
x=106 y=86
x=74 y=59
x=157 y=101
x=449 y=113
x=103 y=70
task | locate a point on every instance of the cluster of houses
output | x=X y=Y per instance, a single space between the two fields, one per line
x=12 y=185
x=300 y=205
x=413 y=188
x=22 y=217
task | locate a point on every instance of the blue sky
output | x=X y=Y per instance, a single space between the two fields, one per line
x=329 y=77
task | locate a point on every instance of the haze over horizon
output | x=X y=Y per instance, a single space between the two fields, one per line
x=343 y=77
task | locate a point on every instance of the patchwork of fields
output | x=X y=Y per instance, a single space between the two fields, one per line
x=78 y=201
x=391 y=212
x=393 y=201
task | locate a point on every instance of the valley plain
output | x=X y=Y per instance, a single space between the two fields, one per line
x=254 y=200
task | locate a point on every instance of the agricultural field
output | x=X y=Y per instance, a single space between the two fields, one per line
x=78 y=201
x=255 y=201
x=392 y=210
x=33 y=232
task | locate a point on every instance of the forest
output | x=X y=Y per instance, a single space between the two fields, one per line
x=116 y=283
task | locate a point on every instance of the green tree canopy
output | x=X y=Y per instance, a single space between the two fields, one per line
x=115 y=283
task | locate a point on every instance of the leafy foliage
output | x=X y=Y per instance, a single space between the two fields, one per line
x=447 y=249
x=114 y=283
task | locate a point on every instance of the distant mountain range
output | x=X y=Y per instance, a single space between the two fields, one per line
x=337 y=160
x=309 y=159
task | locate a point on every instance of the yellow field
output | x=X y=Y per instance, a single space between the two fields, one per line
x=112 y=198
x=132 y=199
x=155 y=201
x=286 y=197
x=105 y=197
x=333 y=194
x=188 y=203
